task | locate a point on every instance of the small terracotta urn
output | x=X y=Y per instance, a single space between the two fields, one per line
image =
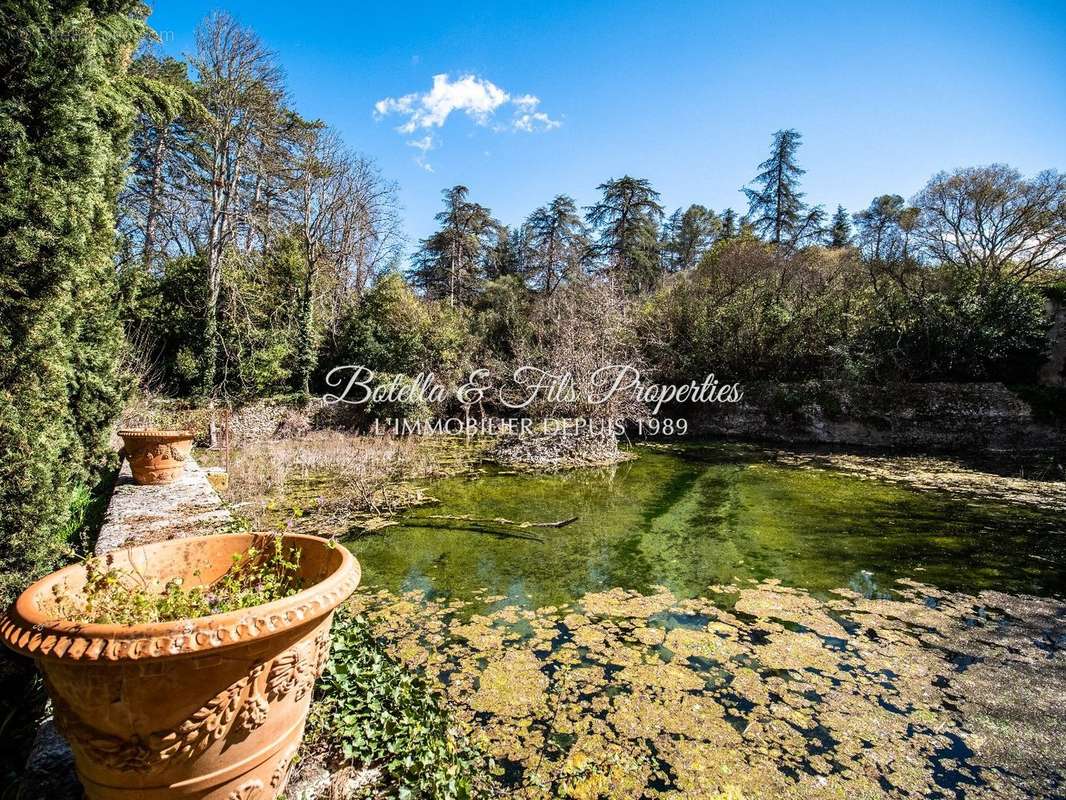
x=210 y=708
x=156 y=457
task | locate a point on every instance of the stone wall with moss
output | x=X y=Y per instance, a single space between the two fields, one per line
x=903 y=415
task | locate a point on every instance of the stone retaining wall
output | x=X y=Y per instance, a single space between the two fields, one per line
x=255 y=421
x=140 y=514
x=917 y=416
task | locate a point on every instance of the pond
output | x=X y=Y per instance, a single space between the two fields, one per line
x=719 y=624
x=703 y=515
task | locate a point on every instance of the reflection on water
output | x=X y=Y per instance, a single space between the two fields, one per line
x=713 y=514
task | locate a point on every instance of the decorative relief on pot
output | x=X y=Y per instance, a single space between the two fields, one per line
x=70 y=645
x=281 y=772
x=295 y=670
x=247 y=791
x=242 y=707
x=322 y=644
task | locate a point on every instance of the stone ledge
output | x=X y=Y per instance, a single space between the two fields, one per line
x=189 y=506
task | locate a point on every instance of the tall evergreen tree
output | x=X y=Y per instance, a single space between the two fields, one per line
x=554 y=244
x=501 y=251
x=626 y=220
x=840 y=229
x=450 y=263
x=729 y=224
x=65 y=119
x=776 y=206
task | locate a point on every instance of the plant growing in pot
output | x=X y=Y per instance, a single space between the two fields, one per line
x=156 y=456
x=185 y=668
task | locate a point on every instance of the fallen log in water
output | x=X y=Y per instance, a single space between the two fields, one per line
x=562 y=523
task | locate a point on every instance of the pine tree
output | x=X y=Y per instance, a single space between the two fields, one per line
x=687 y=235
x=776 y=206
x=627 y=222
x=840 y=229
x=554 y=245
x=501 y=251
x=450 y=263
x=65 y=119
x=878 y=227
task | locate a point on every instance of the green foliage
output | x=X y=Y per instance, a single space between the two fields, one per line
x=501 y=317
x=388 y=329
x=840 y=228
x=1055 y=291
x=450 y=264
x=554 y=245
x=750 y=312
x=392 y=330
x=687 y=237
x=958 y=329
x=369 y=710
x=65 y=119
x=260 y=330
x=747 y=312
x=114 y=596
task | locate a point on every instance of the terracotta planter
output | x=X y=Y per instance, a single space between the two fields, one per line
x=157 y=456
x=204 y=708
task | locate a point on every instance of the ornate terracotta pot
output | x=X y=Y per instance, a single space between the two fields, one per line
x=157 y=456
x=212 y=707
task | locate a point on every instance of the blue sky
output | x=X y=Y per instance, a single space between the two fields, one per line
x=684 y=94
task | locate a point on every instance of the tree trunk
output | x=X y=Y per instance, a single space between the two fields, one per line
x=214 y=271
x=155 y=189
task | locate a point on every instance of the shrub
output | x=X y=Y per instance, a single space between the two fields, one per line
x=959 y=329
x=64 y=125
x=750 y=312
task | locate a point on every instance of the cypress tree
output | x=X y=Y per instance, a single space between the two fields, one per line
x=65 y=121
x=729 y=224
x=840 y=229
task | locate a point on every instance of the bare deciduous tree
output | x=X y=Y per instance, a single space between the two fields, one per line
x=240 y=84
x=993 y=222
x=345 y=221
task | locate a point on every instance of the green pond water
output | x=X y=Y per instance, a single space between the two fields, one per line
x=711 y=514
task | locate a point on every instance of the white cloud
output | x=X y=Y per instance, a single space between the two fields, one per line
x=527 y=101
x=478 y=98
x=534 y=121
x=423 y=145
